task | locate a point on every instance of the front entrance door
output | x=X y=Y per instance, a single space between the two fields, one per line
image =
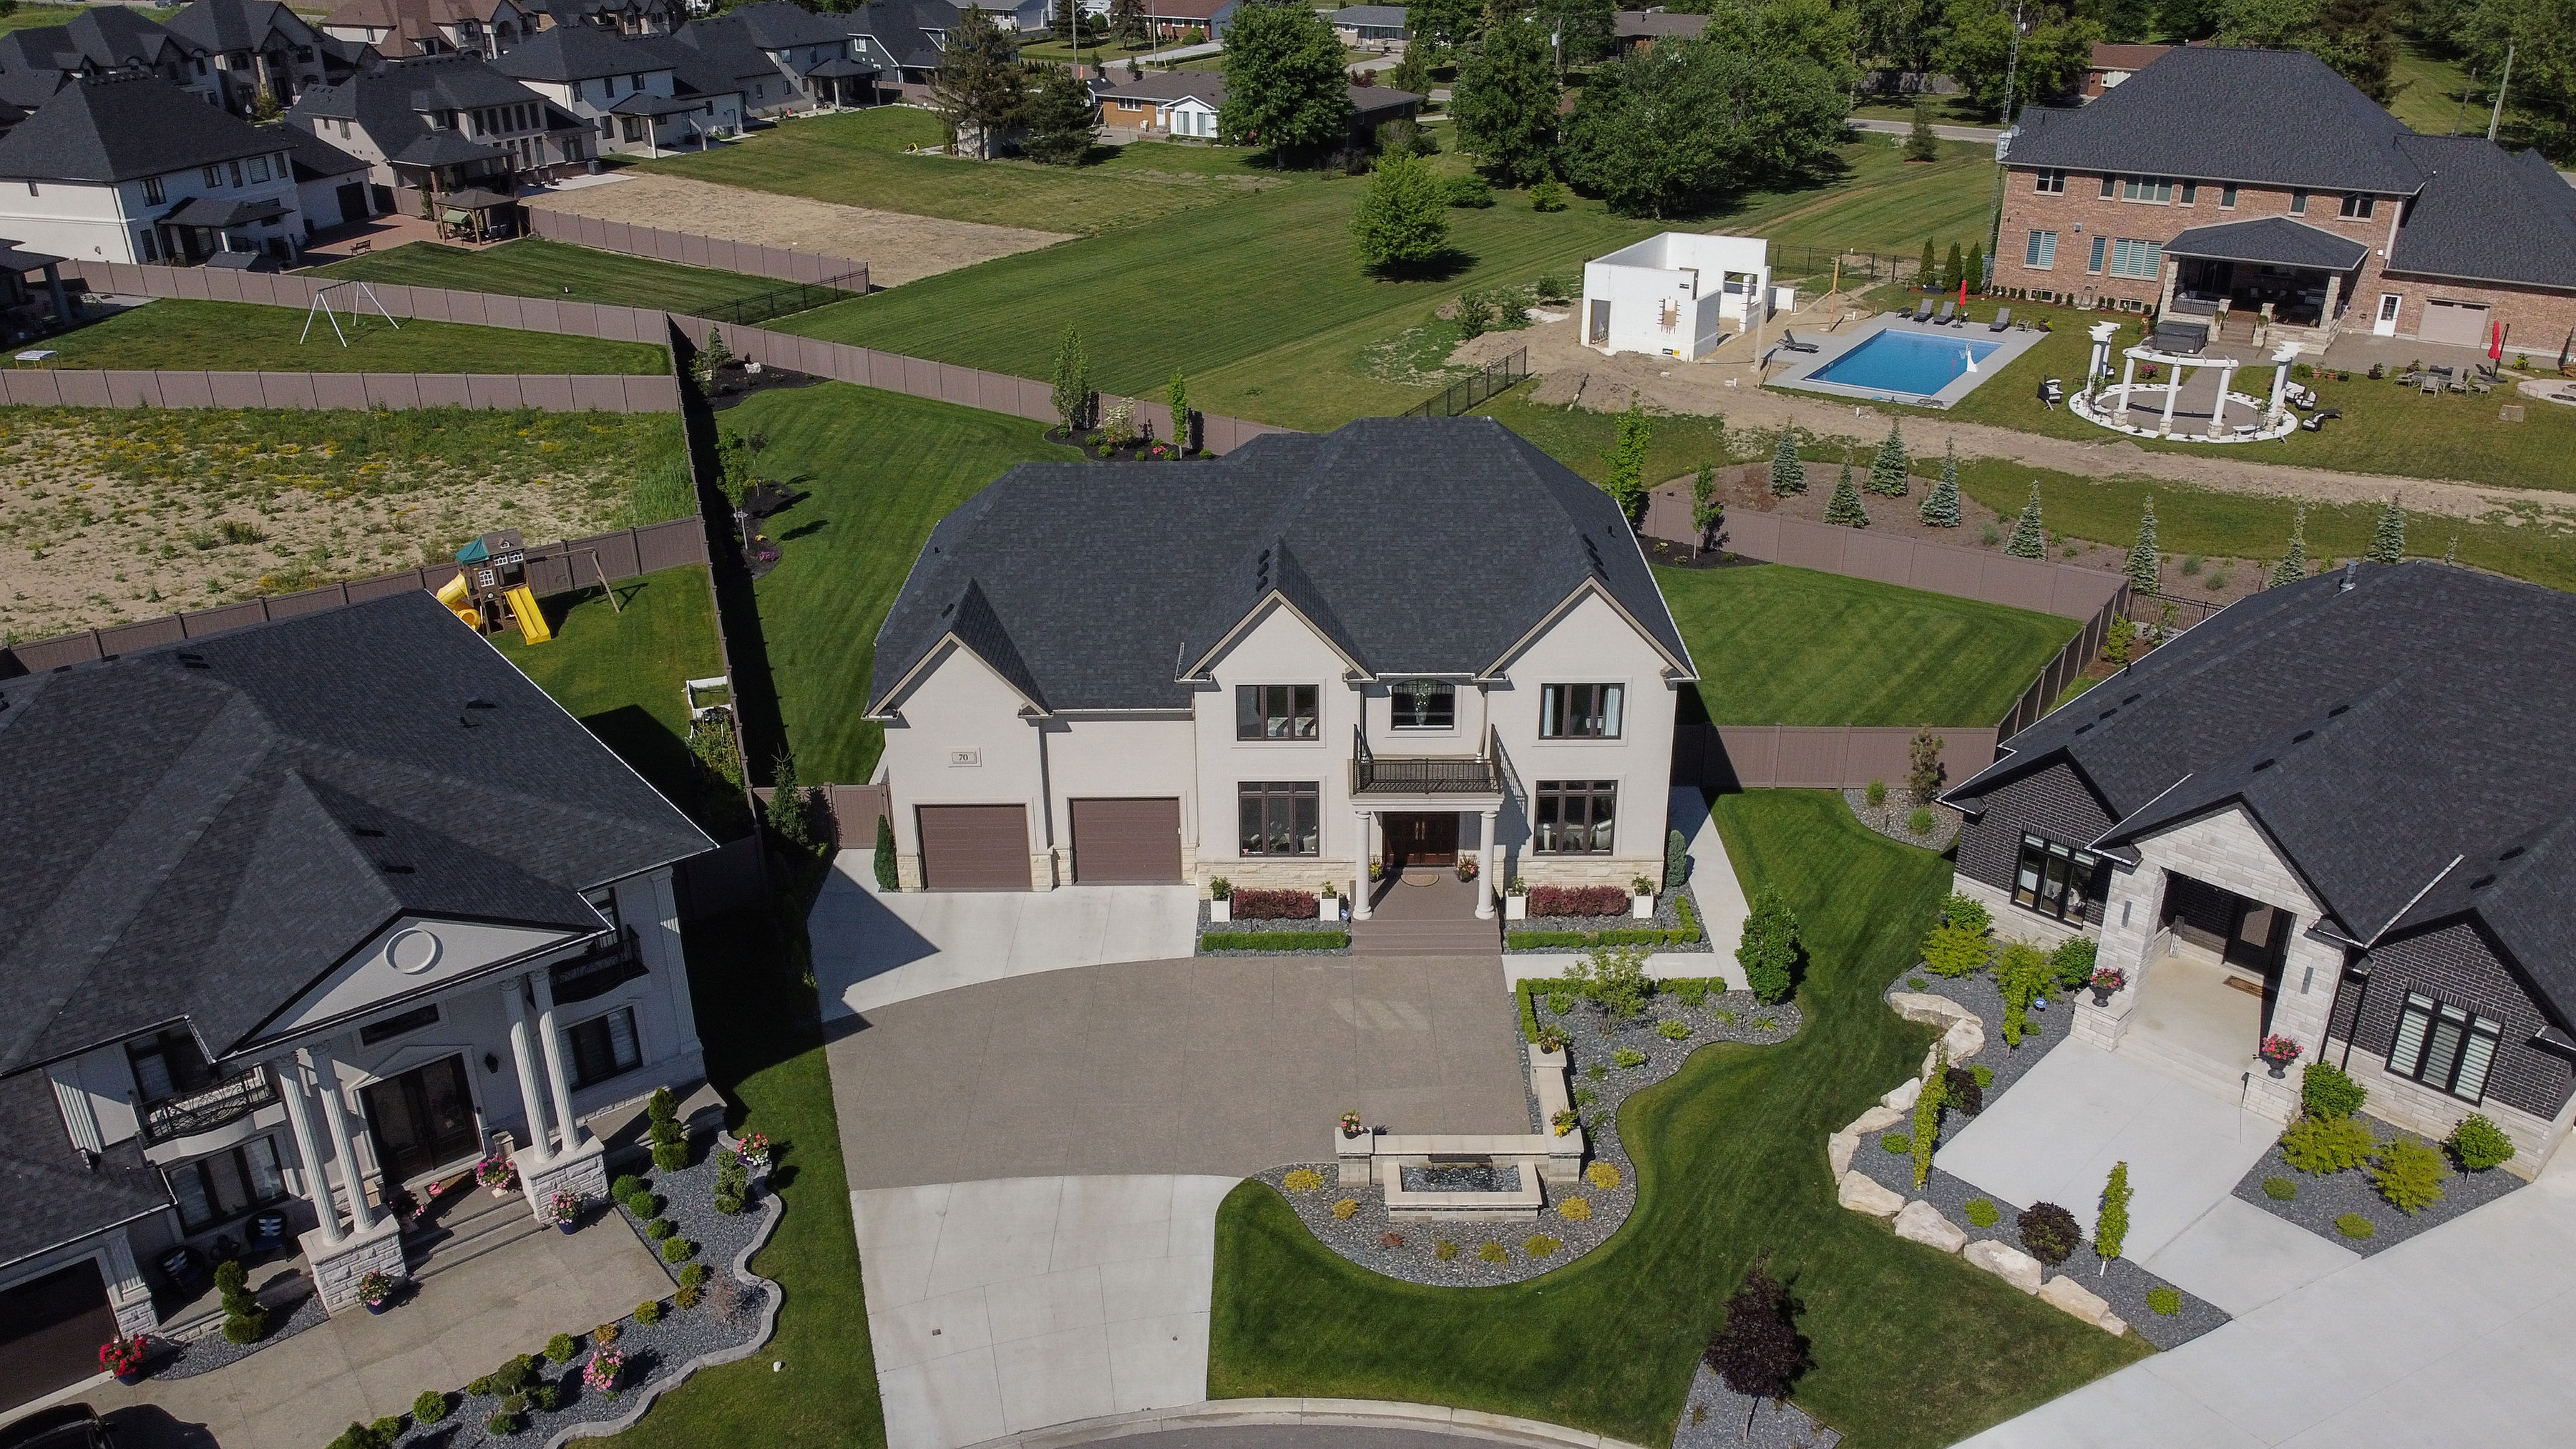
x=422 y=1119
x=1422 y=839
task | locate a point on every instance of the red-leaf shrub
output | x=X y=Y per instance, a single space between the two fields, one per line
x=1260 y=905
x=1577 y=901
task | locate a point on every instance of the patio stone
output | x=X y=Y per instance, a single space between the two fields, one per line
x=1863 y=1195
x=1923 y=1223
x=2011 y=1264
x=2074 y=1299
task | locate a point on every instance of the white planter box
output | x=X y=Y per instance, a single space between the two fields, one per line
x=1641 y=907
x=1220 y=911
x=1515 y=908
x=1328 y=908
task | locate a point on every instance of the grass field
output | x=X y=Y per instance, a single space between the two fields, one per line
x=2437 y=98
x=535 y=267
x=618 y=670
x=252 y=337
x=880 y=470
x=1780 y=645
x=29 y=17
x=1910 y=1347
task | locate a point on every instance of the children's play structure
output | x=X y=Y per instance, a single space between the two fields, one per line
x=1672 y=295
x=490 y=592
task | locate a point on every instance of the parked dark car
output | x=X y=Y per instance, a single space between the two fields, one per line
x=64 y=1426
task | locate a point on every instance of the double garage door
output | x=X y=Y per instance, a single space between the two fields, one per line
x=986 y=847
x=2462 y=324
x=50 y=1331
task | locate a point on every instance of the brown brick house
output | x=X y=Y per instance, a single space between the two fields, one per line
x=2217 y=180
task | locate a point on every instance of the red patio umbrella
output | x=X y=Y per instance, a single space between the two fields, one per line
x=2495 y=349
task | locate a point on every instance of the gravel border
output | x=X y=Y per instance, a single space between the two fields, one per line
x=1593 y=1039
x=1198 y=942
x=1721 y=1426
x=204 y=1355
x=1889 y=820
x=2322 y=1199
x=1667 y=917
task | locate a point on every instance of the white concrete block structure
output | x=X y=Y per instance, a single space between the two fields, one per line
x=1675 y=295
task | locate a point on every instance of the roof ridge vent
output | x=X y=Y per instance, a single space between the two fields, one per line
x=2265 y=763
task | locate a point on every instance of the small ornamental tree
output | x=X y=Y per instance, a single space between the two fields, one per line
x=1759 y=1351
x=1769 y=952
x=1843 y=509
x=2143 y=567
x=1072 y=393
x=886 y=876
x=2111 y=1225
x=1951 y=269
x=2388 y=541
x=1927 y=1116
x=1707 y=509
x=2294 y=564
x=1928 y=272
x=2027 y=540
x=1941 y=506
x=1402 y=220
x=1626 y=458
x=1788 y=475
x=1920 y=143
x=1176 y=398
x=2049 y=1232
x=1923 y=765
x=788 y=808
x=1887 y=470
x=712 y=358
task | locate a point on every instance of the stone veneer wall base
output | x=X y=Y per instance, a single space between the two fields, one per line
x=337 y=1267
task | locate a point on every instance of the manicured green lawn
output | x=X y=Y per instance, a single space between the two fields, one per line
x=1910 y=1347
x=1580 y=438
x=1779 y=645
x=28 y=17
x=881 y=470
x=2384 y=428
x=535 y=267
x=619 y=670
x=252 y=337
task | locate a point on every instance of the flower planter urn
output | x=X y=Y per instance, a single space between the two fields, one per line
x=565 y=1227
x=1328 y=908
x=1515 y=908
x=2101 y=996
x=1641 y=907
x=129 y=1377
x=377 y=1305
x=2277 y=1069
x=1220 y=911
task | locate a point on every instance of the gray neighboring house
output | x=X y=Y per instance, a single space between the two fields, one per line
x=330 y=183
x=814 y=54
x=628 y=91
x=1379 y=27
x=2338 y=811
x=444 y=123
x=297 y=918
x=101 y=40
x=259 y=47
x=901 y=37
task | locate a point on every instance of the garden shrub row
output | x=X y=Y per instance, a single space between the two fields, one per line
x=1548 y=900
x=1691 y=990
x=1273 y=905
x=1635 y=936
x=1276 y=940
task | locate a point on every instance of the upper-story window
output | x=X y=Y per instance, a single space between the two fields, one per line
x=2110 y=185
x=2050 y=183
x=2191 y=193
x=1580 y=711
x=237 y=174
x=2444 y=1047
x=2157 y=189
x=214 y=176
x=152 y=192
x=2358 y=208
x=259 y=168
x=2226 y=196
x=169 y=1065
x=1274 y=712
x=2298 y=203
x=1424 y=704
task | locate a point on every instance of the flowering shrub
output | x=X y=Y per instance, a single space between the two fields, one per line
x=1303 y=1179
x=1273 y=905
x=374 y=1288
x=496 y=1173
x=2109 y=978
x=1578 y=901
x=753 y=1149
x=1351 y=1124
x=121 y=1355
x=600 y=1374
x=564 y=1206
x=2280 y=1049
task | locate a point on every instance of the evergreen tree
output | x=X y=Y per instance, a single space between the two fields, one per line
x=2111 y=1225
x=1413 y=72
x=2294 y=564
x=1176 y=398
x=1285 y=89
x=2451 y=555
x=979 y=88
x=886 y=873
x=1976 y=272
x=1127 y=22
x=1941 y=505
x=1072 y=392
x=1707 y=509
x=1626 y=458
x=1950 y=272
x=1402 y=220
x=1920 y=143
x=1506 y=102
x=1769 y=949
x=1928 y=272
x=1887 y=471
x=2388 y=541
x=1788 y=475
x=788 y=807
x=2143 y=567
x=2027 y=541
x=1060 y=119
x=1843 y=508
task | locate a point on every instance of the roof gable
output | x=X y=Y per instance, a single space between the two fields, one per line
x=120 y=128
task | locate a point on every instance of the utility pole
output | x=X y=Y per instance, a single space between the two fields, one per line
x=2012 y=96
x=2496 y=117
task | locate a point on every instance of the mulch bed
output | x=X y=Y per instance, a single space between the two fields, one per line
x=735 y=384
x=1141 y=450
x=1667 y=917
x=2322 y=1199
x=1889 y=819
x=1298 y=924
x=1714 y=1418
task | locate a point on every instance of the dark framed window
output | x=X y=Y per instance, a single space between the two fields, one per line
x=2053 y=879
x=2041 y=253
x=2358 y=208
x=2101 y=248
x=2227 y=196
x=2190 y=193
x=152 y=192
x=1424 y=704
x=220 y=1188
x=169 y=1065
x=1574 y=817
x=2051 y=183
x=2298 y=203
x=394 y=1026
x=1580 y=711
x=602 y=1047
x=1274 y=712
x=1278 y=817
x=2110 y=186
x=2444 y=1047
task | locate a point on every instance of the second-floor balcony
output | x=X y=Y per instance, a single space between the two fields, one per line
x=1409 y=775
x=168 y=1119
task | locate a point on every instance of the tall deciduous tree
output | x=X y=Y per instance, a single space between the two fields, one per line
x=1506 y=101
x=1443 y=22
x=1977 y=51
x=1707 y=509
x=1285 y=89
x=1759 y=1351
x=1905 y=32
x=979 y=87
x=1059 y=118
x=1583 y=27
x=2542 y=34
x=2357 y=37
x=1402 y=221
x=1072 y=382
x=1654 y=131
x=1626 y=458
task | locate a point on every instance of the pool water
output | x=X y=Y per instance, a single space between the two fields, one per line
x=1910 y=362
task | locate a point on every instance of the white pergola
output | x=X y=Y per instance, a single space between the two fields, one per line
x=2108 y=405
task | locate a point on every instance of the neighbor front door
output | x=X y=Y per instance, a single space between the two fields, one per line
x=1422 y=839
x=422 y=1119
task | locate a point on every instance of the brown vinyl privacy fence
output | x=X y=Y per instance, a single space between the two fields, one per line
x=398 y=391
x=692 y=250
x=552 y=569
x=845 y=816
x=1795 y=757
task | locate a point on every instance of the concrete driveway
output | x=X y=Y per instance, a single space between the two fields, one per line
x=874 y=948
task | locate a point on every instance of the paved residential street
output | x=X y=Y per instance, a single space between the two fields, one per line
x=1946 y=133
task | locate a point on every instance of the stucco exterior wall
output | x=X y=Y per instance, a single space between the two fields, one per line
x=957 y=738
x=1277 y=649
x=1589 y=644
x=1141 y=757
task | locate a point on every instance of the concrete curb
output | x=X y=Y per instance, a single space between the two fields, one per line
x=1353 y=1413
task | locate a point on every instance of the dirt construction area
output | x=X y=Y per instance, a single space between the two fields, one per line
x=897 y=247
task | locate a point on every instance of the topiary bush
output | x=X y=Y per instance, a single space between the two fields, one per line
x=626 y=1186
x=2355 y=1226
x=430 y=1407
x=2048 y=1232
x=2326 y=1092
x=2409 y=1174
x=644 y=1205
x=2322 y=1145
x=2164 y=1302
x=2280 y=1189
x=2480 y=1144
x=1983 y=1213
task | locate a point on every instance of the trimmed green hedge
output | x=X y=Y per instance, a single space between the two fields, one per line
x=1529 y=989
x=1275 y=940
x=1647 y=936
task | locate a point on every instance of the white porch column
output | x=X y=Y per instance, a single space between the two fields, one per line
x=1488 y=822
x=530 y=1095
x=552 y=1040
x=317 y=1183
x=2173 y=394
x=2280 y=386
x=2218 y=414
x=326 y=1075
x=1363 y=821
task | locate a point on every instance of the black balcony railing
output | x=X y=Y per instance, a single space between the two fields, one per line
x=234 y=1097
x=1373 y=774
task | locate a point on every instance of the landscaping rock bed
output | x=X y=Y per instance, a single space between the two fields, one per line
x=1889 y=819
x=1667 y=917
x=1223 y=927
x=2321 y=1200
x=1593 y=1042
x=1981 y=994
x=1714 y=1418
x=205 y=1355
x=736 y=384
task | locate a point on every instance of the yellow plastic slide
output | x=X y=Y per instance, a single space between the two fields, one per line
x=532 y=620
x=452 y=594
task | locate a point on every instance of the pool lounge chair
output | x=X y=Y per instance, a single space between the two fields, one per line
x=1789 y=341
x=2003 y=319
x=2052 y=392
x=1922 y=313
x=1944 y=319
x=2315 y=422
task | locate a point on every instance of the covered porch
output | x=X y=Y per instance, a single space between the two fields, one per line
x=1430 y=816
x=27 y=310
x=842 y=81
x=203 y=228
x=2275 y=268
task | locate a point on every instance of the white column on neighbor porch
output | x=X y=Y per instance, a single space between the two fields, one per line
x=2218 y=413
x=1487 y=822
x=326 y=1076
x=558 y=1084
x=299 y=1116
x=533 y=1097
x=1363 y=821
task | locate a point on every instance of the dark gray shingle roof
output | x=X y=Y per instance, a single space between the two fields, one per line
x=48 y=1195
x=776 y=25
x=238 y=24
x=2278 y=240
x=118 y=128
x=1085 y=583
x=576 y=52
x=2487 y=215
x=906 y=29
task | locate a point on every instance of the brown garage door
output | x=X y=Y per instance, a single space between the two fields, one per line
x=2461 y=323
x=50 y=1331
x=974 y=847
x=1126 y=842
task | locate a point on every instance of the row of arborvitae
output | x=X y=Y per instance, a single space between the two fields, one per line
x=2408 y=1173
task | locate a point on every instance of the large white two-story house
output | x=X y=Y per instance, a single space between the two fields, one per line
x=128 y=168
x=629 y=92
x=1404 y=641
x=294 y=919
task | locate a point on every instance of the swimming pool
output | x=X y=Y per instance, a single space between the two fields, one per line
x=1919 y=363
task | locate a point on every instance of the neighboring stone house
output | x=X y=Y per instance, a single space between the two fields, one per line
x=627 y=93
x=100 y=40
x=1634 y=32
x=2338 y=811
x=2254 y=179
x=303 y=916
x=445 y=123
x=259 y=47
x=397 y=29
x=814 y=54
x=1093 y=675
x=714 y=61
x=1191 y=102
x=129 y=168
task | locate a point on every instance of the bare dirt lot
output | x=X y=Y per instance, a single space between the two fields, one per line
x=897 y=247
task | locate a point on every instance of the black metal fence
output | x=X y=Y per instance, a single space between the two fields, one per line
x=785 y=298
x=1460 y=396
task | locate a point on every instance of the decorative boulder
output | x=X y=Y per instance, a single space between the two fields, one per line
x=1876 y=1119
x=1931 y=1010
x=2114 y=1325
x=1965 y=1038
x=1862 y=1195
x=2074 y=1299
x=2009 y=1263
x=1901 y=1098
x=1839 y=1149
x=1921 y=1222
